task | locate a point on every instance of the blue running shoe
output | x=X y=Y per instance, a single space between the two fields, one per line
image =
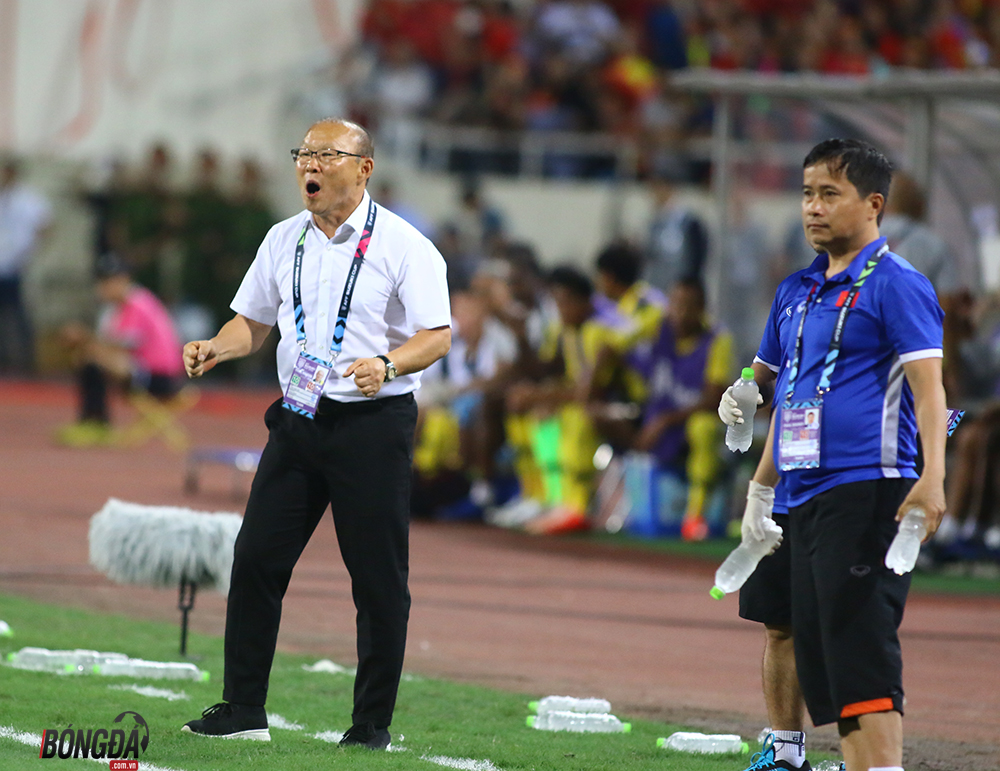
x=764 y=760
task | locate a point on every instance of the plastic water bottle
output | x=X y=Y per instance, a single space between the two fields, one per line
x=579 y=722
x=742 y=561
x=691 y=741
x=569 y=704
x=5 y=630
x=740 y=435
x=829 y=765
x=65 y=661
x=905 y=547
x=155 y=670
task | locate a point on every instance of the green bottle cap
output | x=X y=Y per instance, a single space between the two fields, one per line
x=69 y=668
x=96 y=669
x=717 y=593
x=747 y=373
x=206 y=676
x=744 y=748
x=626 y=728
x=530 y=721
x=533 y=706
x=661 y=741
x=11 y=656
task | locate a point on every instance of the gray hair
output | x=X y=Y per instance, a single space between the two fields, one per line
x=363 y=138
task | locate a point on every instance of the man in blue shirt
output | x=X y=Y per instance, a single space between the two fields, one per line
x=863 y=355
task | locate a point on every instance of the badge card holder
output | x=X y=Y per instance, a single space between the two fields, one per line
x=305 y=387
x=798 y=445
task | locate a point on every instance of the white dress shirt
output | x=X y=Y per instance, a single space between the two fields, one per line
x=401 y=289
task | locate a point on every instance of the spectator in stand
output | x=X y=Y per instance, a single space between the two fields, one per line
x=678 y=239
x=548 y=426
x=582 y=30
x=135 y=347
x=455 y=433
x=687 y=369
x=211 y=270
x=145 y=218
x=25 y=217
x=665 y=39
x=905 y=228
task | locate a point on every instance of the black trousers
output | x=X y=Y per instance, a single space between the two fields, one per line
x=357 y=458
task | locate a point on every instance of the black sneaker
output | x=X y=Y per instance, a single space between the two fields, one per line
x=231 y=721
x=366 y=735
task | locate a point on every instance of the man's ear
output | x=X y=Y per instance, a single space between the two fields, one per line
x=878 y=203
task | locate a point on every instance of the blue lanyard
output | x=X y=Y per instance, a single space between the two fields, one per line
x=345 y=300
x=833 y=351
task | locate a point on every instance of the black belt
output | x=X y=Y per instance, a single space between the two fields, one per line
x=329 y=406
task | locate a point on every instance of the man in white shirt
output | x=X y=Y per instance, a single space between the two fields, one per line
x=361 y=301
x=25 y=218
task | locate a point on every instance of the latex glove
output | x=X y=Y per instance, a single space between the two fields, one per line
x=757 y=514
x=729 y=413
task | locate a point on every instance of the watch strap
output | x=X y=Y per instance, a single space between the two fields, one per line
x=388 y=366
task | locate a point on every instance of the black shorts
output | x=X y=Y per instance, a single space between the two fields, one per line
x=846 y=604
x=767 y=595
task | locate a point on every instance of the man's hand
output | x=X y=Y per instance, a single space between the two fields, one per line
x=369 y=374
x=929 y=496
x=760 y=505
x=729 y=413
x=199 y=357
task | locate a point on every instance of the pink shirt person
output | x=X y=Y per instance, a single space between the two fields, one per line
x=143 y=325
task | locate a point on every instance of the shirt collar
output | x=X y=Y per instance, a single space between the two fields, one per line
x=817 y=271
x=355 y=222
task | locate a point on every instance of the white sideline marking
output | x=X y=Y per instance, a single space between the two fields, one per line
x=465 y=764
x=35 y=740
x=333 y=737
x=277 y=721
x=148 y=690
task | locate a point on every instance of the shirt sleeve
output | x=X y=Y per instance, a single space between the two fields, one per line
x=770 y=352
x=258 y=297
x=912 y=316
x=423 y=287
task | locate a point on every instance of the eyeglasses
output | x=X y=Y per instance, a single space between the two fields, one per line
x=324 y=157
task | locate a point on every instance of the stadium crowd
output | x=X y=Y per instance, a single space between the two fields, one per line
x=595 y=66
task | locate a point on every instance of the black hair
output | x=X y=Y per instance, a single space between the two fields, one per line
x=522 y=255
x=622 y=261
x=110 y=264
x=572 y=279
x=865 y=167
x=694 y=285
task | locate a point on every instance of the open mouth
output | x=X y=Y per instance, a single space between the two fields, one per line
x=312 y=187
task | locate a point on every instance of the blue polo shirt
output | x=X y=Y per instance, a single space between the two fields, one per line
x=869 y=428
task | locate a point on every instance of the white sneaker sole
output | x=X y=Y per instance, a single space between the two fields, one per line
x=257 y=734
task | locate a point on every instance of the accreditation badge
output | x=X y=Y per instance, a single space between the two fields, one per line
x=305 y=387
x=798 y=435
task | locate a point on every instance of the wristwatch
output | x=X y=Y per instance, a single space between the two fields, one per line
x=390 y=368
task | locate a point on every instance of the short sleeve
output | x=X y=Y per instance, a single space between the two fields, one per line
x=912 y=316
x=258 y=297
x=423 y=287
x=770 y=352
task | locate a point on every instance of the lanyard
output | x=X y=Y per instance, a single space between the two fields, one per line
x=838 y=330
x=345 y=300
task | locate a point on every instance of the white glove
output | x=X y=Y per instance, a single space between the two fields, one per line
x=757 y=514
x=729 y=413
